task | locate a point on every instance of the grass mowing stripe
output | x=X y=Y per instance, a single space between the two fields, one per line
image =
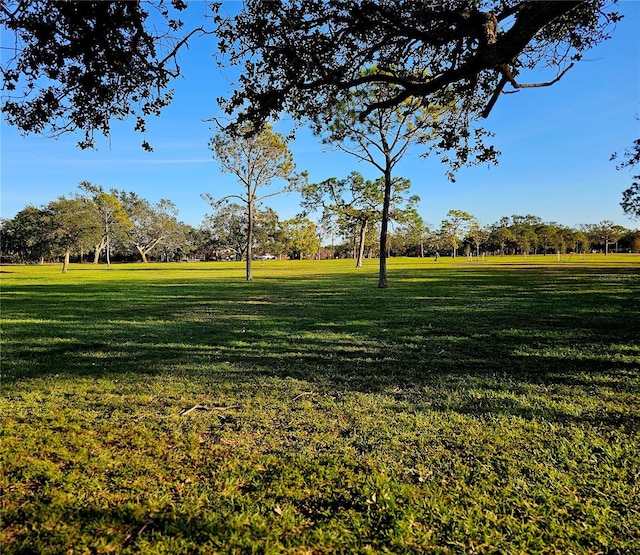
x=474 y=407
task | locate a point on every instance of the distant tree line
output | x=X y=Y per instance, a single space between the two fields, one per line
x=95 y=225
x=461 y=233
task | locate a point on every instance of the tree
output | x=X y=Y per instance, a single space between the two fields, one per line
x=73 y=225
x=381 y=138
x=618 y=232
x=256 y=160
x=29 y=235
x=151 y=224
x=357 y=202
x=631 y=196
x=478 y=235
x=268 y=233
x=300 y=58
x=301 y=238
x=546 y=234
x=581 y=241
x=110 y=212
x=415 y=232
x=605 y=232
x=455 y=227
x=563 y=239
x=501 y=234
x=227 y=228
x=524 y=232
x=76 y=66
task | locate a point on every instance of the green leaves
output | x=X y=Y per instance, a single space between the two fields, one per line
x=77 y=66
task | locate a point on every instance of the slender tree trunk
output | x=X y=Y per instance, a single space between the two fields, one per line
x=363 y=233
x=249 y=238
x=65 y=263
x=382 y=277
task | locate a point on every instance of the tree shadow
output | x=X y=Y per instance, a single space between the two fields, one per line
x=481 y=329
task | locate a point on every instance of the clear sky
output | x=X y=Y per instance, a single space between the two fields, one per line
x=555 y=143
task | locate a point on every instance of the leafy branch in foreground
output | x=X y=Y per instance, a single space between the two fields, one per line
x=631 y=196
x=76 y=66
x=300 y=57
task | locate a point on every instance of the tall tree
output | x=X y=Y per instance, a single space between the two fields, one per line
x=257 y=160
x=151 y=224
x=73 y=225
x=380 y=138
x=454 y=228
x=109 y=210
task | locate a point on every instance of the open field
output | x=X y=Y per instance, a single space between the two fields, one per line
x=473 y=407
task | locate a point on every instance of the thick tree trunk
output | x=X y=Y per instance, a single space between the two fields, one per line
x=65 y=263
x=143 y=254
x=98 y=250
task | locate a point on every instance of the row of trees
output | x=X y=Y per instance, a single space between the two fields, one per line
x=90 y=221
x=516 y=234
x=95 y=225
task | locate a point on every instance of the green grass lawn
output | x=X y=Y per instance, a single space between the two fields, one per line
x=490 y=406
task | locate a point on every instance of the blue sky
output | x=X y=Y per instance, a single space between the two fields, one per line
x=555 y=143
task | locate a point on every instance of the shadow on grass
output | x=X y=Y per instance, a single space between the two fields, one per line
x=477 y=328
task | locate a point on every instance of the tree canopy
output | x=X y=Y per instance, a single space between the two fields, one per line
x=76 y=66
x=300 y=57
x=257 y=161
x=631 y=196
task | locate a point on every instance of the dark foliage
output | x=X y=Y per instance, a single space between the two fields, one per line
x=76 y=66
x=300 y=57
x=631 y=196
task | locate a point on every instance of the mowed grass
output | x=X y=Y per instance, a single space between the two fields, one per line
x=473 y=407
